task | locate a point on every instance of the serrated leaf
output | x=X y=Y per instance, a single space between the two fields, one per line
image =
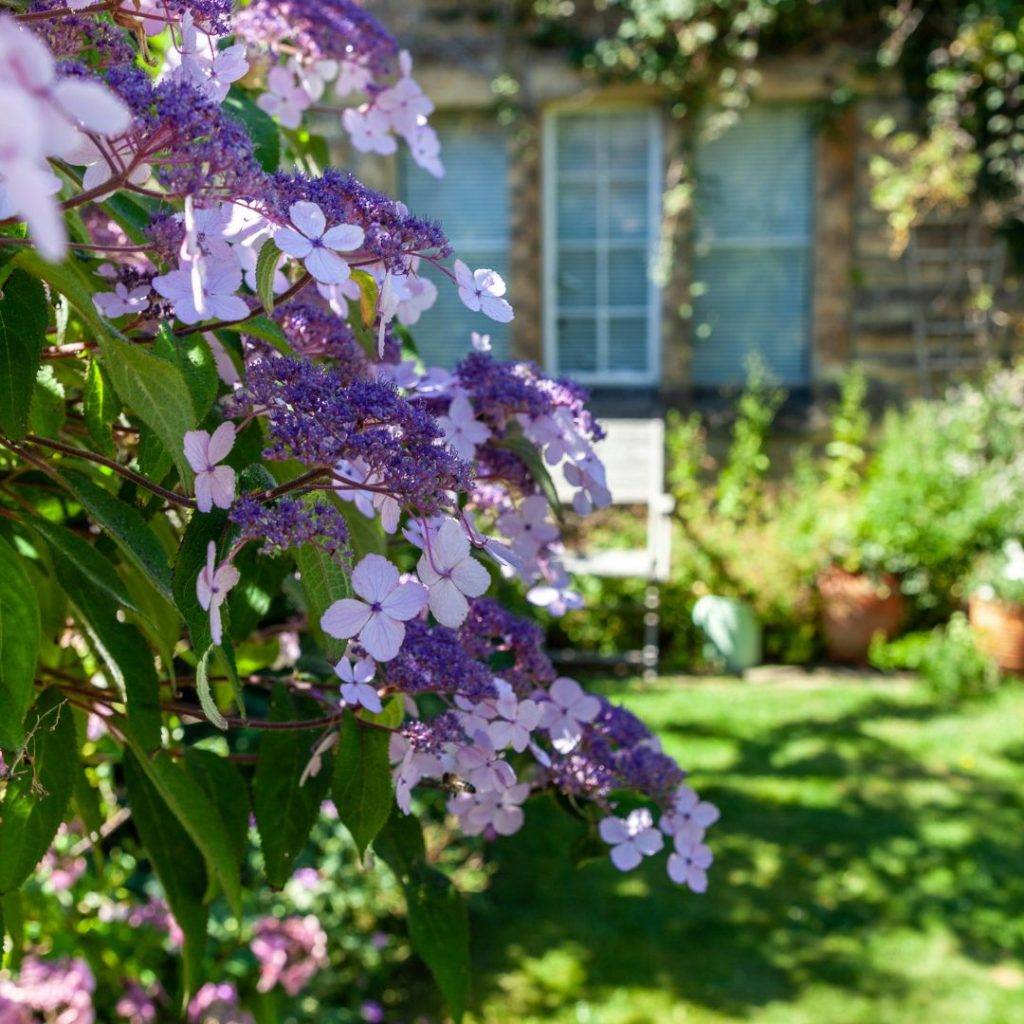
x=46 y=413
x=266 y=269
x=362 y=788
x=101 y=408
x=206 y=701
x=156 y=392
x=531 y=457
x=19 y=645
x=177 y=862
x=97 y=569
x=12 y=922
x=266 y=138
x=324 y=581
x=437 y=918
x=124 y=523
x=267 y=330
x=285 y=810
x=39 y=789
x=24 y=314
x=193 y=358
x=197 y=814
x=224 y=785
x=365 y=536
x=125 y=655
x=148 y=385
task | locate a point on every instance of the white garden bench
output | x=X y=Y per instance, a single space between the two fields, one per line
x=633 y=453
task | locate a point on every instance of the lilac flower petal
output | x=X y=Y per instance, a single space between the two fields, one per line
x=197 y=448
x=343 y=237
x=649 y=841
x=326 y=266
x=613 y=830
x=291 y=243
x=374 y=578
x=221 y=442
x=345 y=618
x=405 y=601
x=308 y=218
x=382 y=636
x=625 y=857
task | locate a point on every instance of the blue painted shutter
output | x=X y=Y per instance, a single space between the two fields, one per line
x=471 y=202
x=753 y=248
x=602 y=173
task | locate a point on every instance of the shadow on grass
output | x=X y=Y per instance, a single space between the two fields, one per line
x=832 y=839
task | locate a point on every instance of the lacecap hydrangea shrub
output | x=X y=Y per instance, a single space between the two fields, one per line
x=246 y=538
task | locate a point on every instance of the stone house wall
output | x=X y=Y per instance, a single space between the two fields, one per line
x=865 y=304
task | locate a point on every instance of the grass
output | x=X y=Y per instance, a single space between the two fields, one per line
x=869 y=870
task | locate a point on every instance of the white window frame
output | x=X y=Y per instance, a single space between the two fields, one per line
x=652 y=309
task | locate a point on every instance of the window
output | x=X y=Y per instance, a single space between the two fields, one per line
x=471 y=202
x=602 y=180
x=753 y=248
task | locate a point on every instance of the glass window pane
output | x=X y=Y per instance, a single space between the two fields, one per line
x=627 y=344
x=577 y=278
x=471 y=201
x=577 y=144
x=627 y=210
x=753 y=301
x=627 y=277
x=577 y=345
x=577 y=211
x=628 y=142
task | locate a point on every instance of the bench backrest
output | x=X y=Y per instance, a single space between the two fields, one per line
x=633 y=453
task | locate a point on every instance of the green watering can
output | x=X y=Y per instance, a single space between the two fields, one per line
x=732 y=630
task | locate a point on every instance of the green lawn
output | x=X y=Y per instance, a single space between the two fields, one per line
x=870 y=870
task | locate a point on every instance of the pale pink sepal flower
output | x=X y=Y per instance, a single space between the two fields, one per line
x=451 y=574
x=689 y=817
x=378 y=620
x=215 y=485
x=310 y=240
x=212 y=587
x=482 y=291
x=482 y=766
x=285 y=97
x=569 y=709
x=689 y=864
x=631 y=838
x=462 y=430
x=217 y=280
x=122 y=300
x=356 y=688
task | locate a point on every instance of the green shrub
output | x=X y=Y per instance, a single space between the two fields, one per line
x=947 y=658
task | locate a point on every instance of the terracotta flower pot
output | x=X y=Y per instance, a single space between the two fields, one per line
x=999 y=627
x=854 y=607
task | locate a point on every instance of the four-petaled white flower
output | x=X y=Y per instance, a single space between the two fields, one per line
x=689 y=864
x=317 y=246
x=689 y=817
x=631 y=838
x=217 y=279
x=212 y=586
x=285 y=98
x=451 y=573
x=482 y=291
x=462 y=430
x=568 y=710
x=215 y=485
x=122 y=300
x=378 y=620
x=355 y=683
